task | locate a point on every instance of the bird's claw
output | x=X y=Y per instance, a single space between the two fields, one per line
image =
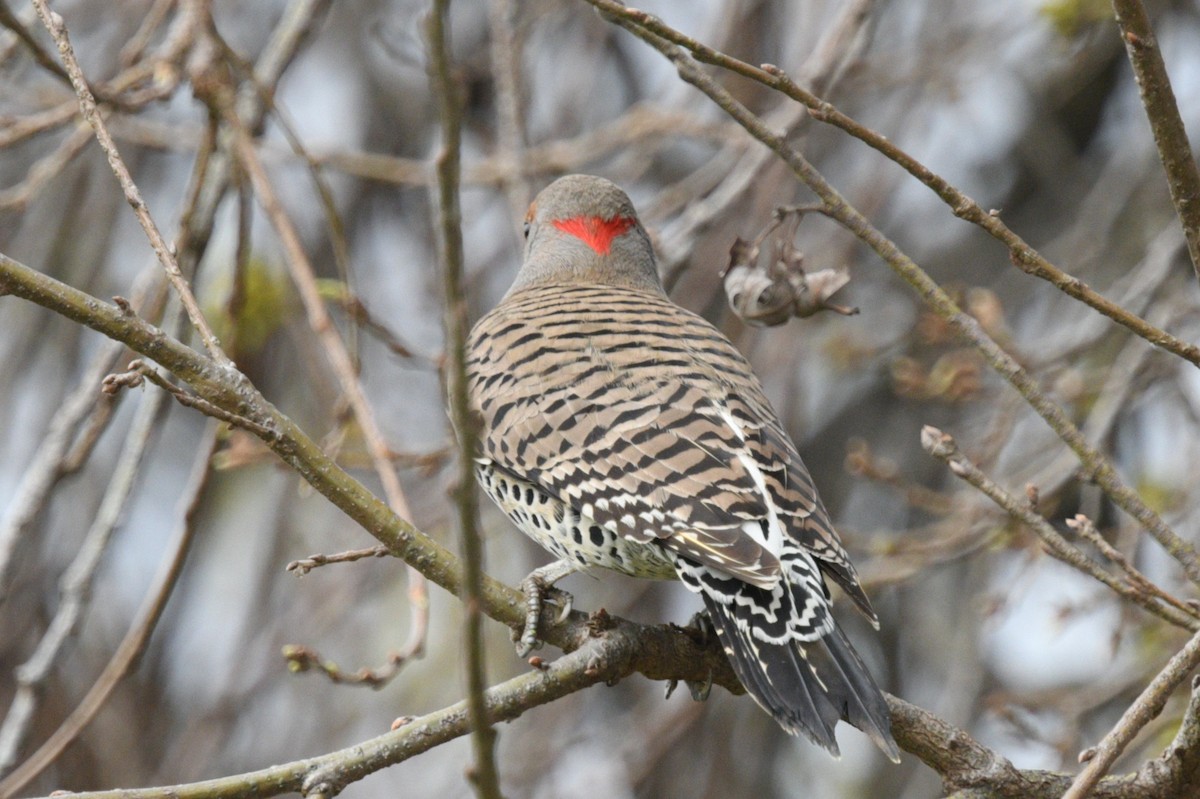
x=698 y=690
x=701 y=690
x=537 y=591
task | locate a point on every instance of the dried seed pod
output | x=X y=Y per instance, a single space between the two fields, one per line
x=766 y=295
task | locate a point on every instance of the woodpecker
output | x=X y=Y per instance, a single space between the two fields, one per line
x=621 y=430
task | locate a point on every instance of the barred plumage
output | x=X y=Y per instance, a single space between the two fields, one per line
x=623 y=431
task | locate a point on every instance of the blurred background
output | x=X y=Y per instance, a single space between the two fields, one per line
x=1029 y=107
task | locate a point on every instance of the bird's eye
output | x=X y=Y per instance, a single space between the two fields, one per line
x=526 y=229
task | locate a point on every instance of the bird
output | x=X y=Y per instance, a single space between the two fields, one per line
x=620 y=430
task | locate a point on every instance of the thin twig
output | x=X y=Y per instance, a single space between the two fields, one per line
x=510 y=131
x=1174 y=150
x=943 y=447
x=129 y=652
x=1086 y=530
x=1144 y=710
x=132 y=50
x=1096 y=465
x=140 y=370
x=302 y=658
x=305 y=565
x=16 y=130
x=484 y=776
x=9 y=20
x=87 y=105
x=44 y=170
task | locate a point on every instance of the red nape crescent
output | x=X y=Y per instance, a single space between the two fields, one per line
x=595 y=232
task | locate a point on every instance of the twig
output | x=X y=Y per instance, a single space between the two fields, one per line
x=140 y=370
x=1183 y=176
x=1086 y=530
x=44 y=170
x=302 y=658
x=484 y=776
x=1097 y=467
x=87 y=105
x=14 y=131
x=46 y=466
x=9 y=20
x=836 y=48
x=129 y=652
x=305 y=565
x=132 y=50
x=943 y=447
x=1024 y=257
x=76 y=583
x=510 y=132
x=1144 y=709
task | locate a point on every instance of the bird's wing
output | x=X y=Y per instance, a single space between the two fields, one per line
x=642 y=416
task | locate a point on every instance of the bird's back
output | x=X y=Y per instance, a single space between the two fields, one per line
x=640 y=415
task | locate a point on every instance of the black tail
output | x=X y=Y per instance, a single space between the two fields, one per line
x=807 y=687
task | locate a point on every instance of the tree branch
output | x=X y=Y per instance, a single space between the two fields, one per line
x=483 y=775
x=943 y=447
x=1147 y=707
x=1170 y=136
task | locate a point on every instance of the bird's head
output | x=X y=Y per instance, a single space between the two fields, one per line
x=584 y=229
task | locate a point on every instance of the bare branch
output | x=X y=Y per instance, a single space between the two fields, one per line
x=304 y=566
x=1183 y=176
x=302 y=658
x=943 y=447
x=1147 y=706
x=484 y=776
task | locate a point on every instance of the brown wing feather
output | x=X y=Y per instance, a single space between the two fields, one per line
x=612 y=401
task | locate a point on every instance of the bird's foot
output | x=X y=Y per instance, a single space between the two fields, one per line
x=700 y=629
x=538 y=588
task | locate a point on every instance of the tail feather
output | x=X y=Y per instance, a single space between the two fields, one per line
x=860 y=702
x=807 y=687
x=778 y=681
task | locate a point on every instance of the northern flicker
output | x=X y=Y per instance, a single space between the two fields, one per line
x=620 y=430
